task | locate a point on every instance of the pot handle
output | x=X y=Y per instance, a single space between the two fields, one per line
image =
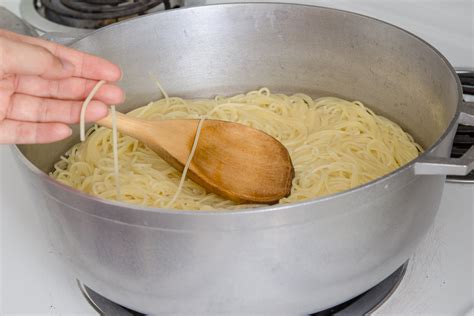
x=9 y=21
x=65 y=39
x=451 y=166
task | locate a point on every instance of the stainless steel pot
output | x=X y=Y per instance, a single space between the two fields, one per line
x=289 y=259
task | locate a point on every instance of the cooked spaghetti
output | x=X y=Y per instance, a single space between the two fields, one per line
x=334 y=144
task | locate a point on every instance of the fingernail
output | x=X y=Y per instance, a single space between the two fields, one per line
x=122 y=96
x=68 y=66
x=121 y=74
x=69 y=132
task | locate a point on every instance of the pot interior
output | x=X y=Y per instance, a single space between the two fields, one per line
x=234 y=48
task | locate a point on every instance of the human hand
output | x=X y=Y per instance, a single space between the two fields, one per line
x=42 y=85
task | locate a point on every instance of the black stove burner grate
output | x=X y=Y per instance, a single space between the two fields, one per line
x=363 y=304
x=464 y=138
x=467 y=81
x=93 y=14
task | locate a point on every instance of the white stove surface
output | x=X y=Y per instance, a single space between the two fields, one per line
x=440 y=275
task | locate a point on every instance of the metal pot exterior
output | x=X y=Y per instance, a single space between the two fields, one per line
x=290 y=259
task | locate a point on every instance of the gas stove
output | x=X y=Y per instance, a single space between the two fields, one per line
x=438 y=278
x=77 y=17
x=92 y=14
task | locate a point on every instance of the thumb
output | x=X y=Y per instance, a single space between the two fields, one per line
x=28 y=59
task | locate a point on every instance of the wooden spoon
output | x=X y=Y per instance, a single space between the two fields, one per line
x=235 y=161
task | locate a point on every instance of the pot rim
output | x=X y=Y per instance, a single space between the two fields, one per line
x=267 y=208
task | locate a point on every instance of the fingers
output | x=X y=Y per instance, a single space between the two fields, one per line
x=86 y=65
x=15 y=132
x=34 y=114
x=71 y=88
x=27 y=59
x=6 y=92
x=34 y=109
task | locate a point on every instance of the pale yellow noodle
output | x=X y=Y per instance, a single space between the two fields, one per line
x=115 y=151
x=334 y=144
x=84 y=108
x=188 y=163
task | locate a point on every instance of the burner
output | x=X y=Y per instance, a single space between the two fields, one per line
x=464 y=138
x=93 y=14
x=363 y=304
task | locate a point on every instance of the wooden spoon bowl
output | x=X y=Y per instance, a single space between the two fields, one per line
x=235 y=161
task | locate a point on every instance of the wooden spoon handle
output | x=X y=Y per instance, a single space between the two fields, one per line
x=126 y=124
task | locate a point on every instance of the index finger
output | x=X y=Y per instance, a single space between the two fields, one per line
x=86 y=65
